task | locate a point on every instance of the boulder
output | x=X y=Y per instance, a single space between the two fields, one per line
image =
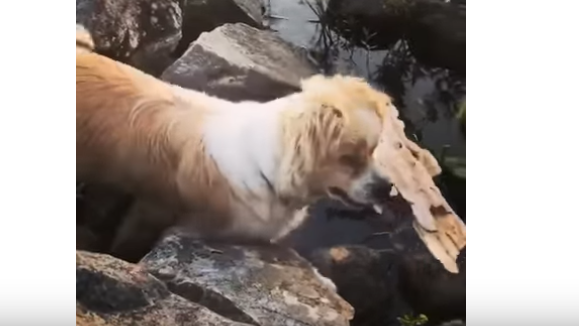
x=113 y=292
x=254 y=284
x=239 y=62
x=429 y=289
x=205 y=15
x=400 y=278
x=366 y=278
x=142 y=33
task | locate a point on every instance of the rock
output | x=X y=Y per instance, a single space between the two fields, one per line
x=205 y=15
x=239 y=62
x=142 y=33
x=113 y=292
x=424 y=283
x=436 y=30
x=385 y=284
x=366 y=278
x=431 y=290
x=437 y=35
x=255 y=284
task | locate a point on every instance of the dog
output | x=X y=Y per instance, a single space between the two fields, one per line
x=237 y=171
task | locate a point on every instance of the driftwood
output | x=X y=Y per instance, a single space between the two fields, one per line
x=411 y=169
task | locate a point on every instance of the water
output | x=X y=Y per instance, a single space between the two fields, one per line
x=296 y=23
x=425 y=96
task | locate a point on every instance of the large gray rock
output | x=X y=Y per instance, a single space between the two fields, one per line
x=205 y=15
x=111 y=292
x=261 y=285
x=239 y=62
x=142 y=33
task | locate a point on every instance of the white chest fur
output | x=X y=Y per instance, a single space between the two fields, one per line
x=244 y=140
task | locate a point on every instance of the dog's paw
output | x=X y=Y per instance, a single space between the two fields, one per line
x=325 y=280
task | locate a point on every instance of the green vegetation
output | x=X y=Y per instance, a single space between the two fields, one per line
x=461 y=116
x=462 y=111
x=453 y=177
x=409 y=320
x=455 y=165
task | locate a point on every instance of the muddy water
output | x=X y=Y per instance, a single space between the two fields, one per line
x=425 y=96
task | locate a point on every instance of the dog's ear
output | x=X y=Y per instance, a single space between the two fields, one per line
x=329 y=125
x=332 y=110
x=311 y=136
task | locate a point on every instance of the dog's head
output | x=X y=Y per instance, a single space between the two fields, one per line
x=329 y=141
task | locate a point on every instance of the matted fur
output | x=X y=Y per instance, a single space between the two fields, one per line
x=225 y=170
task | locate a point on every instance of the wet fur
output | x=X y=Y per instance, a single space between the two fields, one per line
x=235 y=171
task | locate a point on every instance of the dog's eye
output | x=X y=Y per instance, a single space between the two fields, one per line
x=349 y=159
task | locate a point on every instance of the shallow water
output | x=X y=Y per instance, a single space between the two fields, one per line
x=426 y=98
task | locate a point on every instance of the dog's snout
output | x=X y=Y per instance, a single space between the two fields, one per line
x=380 y=189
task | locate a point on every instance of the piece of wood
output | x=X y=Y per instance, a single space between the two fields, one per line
x=411 y=170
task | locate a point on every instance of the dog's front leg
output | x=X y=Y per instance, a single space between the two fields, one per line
x=296 y=221
x=140 y=230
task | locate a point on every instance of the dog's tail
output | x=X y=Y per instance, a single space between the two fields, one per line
x=84 y=41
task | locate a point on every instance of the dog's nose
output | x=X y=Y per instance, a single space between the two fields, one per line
x=380 y=189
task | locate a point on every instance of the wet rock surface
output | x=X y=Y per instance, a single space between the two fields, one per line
x=239 y=62
x=142 y=33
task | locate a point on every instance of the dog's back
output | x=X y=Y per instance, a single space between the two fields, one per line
x=84 y=41
x=116 y=112
x=138 y=133
x=119 y=112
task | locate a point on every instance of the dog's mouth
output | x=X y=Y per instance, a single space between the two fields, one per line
x=342 y=196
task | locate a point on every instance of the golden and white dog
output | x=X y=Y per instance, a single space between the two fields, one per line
x=232 y=171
